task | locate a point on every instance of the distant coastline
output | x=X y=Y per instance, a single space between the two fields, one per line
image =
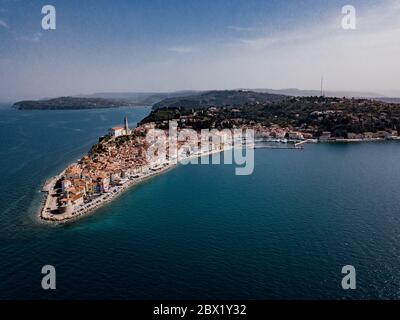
x=99 y=101
x=186 y=98
x=72 y=103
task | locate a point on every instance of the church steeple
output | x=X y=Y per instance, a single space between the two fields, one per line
x=126 y=127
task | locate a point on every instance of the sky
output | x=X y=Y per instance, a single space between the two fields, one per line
x=167 y=45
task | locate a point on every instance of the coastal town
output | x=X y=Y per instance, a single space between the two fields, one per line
x=120 y=159
x=117 y=162
x=324 y=119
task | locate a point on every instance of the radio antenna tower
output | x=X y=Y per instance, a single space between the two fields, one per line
x=322 y=86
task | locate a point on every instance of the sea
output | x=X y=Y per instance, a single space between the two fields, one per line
x=200 y=231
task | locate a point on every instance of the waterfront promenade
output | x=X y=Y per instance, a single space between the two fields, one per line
x=50 y=208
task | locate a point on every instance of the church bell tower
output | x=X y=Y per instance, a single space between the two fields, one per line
x=126 y=127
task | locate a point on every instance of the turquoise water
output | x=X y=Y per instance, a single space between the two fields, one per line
x=199 y=231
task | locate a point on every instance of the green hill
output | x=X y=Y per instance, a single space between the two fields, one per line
x=225 y=98
x=71 y=103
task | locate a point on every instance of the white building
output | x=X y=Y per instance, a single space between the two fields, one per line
x=117 y=131
x=120 y=131
x=65 y=184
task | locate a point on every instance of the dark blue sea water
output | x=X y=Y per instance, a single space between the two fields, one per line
x=199 y=231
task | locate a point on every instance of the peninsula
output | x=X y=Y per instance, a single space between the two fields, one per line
x=120 y=160
x=72 y=103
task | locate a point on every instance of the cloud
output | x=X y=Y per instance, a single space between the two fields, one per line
x=181 y=49
x=380 y=23
x=269 y=56
x=31 y=38
x=4 y=24
x=365 y=59
x=241 y=29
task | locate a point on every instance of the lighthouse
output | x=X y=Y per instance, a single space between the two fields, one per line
x=126 y=127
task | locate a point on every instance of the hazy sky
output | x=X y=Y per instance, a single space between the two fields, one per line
x=170 y=45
